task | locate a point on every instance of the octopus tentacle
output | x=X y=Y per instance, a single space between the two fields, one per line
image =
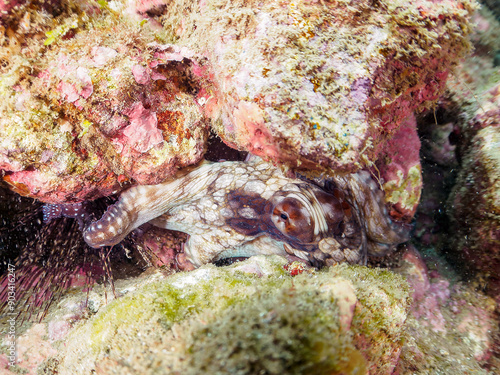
x=77 y=211
x=142 y=204
x=383 y=234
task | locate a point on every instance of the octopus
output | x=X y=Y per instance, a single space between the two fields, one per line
x=240 y=209
x=76 y=211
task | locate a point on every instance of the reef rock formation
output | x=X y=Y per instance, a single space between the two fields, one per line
x=248 y=318
x=327 y=82
x=451 y=327
x=459 y=215
x=474 y=204
x=102 y=95
x=326 y=85
x=93 y=105
x=267 y=315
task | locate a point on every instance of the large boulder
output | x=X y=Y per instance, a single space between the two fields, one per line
x=99 y=96
x=251 y=317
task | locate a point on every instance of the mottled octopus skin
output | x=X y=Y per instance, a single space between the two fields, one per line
x=233 y=209
x=76 y=211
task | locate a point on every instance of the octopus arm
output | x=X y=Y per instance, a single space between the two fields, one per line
x=383 y=234
x=142 y=204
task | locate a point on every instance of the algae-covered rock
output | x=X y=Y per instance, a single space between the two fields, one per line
x=254 y=317
x=344 y=320
x=474 y=204
x=452 y=328
x=326 y=82
x=478 y=73
x=91 y=102
x=460 y=210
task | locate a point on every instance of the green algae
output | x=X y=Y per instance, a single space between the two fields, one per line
x=405 y=191
x=381 y=314
x=224 y=321
x=60 y=31
x=291 y=330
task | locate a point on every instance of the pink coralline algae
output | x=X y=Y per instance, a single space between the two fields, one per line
x=85 y=125
x=317 y=86
x=400 y=171
x=143 y=132
x=453 y=317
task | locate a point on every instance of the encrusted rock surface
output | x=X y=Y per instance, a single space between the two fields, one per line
x=102 y=95
x=266 y=315
x=99 y=96
x=327 y=82
x=250 y=317
x=474 y=204
x=452 y=327
x=94 y=104
x=460 y=212
x=307 y=90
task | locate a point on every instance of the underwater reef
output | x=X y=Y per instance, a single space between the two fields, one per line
x=460 y=211
x=248 y=318
x=100 y=97
x=257 y=317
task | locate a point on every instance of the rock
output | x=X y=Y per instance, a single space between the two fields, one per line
x=493 y=6
x=346 y=319
x=452 y=328
x=32 y=348
x=306 y=85
x=474 y=204
x=160 y=245
x=132 y=110
x=399 y=170
x=257 y=315
x=437 y=146
x=461 y=209
x=475 y=75
x=80 y=126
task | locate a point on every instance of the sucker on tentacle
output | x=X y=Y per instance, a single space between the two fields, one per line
x=234 y=209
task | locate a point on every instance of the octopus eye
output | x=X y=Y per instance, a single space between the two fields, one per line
x=293 y=220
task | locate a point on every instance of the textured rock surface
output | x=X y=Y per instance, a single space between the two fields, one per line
x=255 y=315
x=328 y=83
x=479 y=72
x=475 y=204
x=245 y=318
x=459 y=216
x=451 y=328
x=399 y=170
x=94 y=105
x=317 y=85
